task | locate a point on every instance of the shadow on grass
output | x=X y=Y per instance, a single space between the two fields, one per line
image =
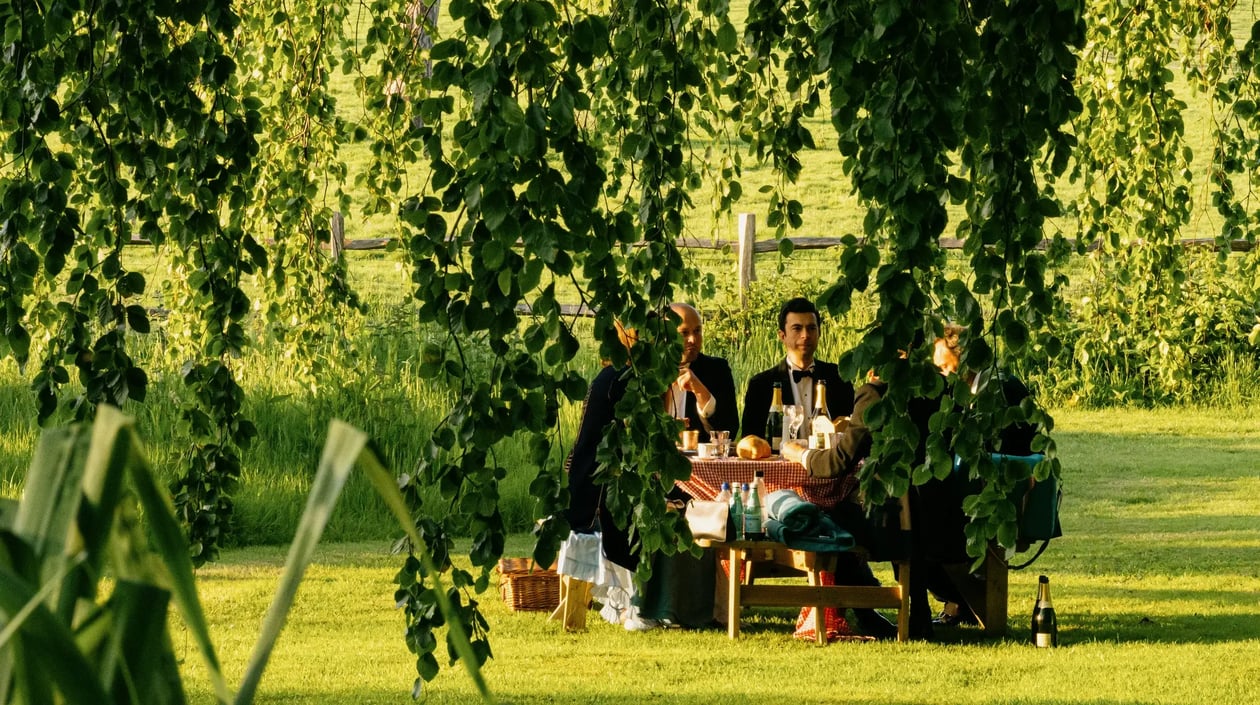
x=1120 y=628
x=1193 y=627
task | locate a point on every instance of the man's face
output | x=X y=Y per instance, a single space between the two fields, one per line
x=800 y=336
x=689 y=330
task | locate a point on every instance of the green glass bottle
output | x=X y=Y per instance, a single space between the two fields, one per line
x=774 y=420
x=1045 y=624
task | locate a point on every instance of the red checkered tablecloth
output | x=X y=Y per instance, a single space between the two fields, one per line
x=708 y=474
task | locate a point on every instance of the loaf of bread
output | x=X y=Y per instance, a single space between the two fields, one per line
x=753 y=448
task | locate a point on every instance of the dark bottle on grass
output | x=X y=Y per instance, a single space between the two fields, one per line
x=1045 y=624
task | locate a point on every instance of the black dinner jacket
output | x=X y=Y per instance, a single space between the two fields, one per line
x=761 y=390
x=598 y=413
x=714 y=373
x=587 y=511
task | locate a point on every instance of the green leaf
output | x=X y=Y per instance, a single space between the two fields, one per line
x=48 y=645
x=492 y=254
x=341 y=450
x=138 y=319
x=727 y=39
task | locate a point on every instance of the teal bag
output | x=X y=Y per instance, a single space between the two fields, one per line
x=1036 y=506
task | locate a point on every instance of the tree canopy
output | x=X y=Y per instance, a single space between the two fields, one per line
x=518 y=143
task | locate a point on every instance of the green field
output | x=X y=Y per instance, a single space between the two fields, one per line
x=1155 y=581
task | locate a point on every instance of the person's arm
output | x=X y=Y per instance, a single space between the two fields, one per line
x=834 y=462
x=1016 y=438
x=854 y=445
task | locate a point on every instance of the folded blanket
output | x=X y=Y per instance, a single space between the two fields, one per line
x=794 y=513
x=803 y=525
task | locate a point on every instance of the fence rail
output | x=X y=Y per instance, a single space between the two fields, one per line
x=746 y=244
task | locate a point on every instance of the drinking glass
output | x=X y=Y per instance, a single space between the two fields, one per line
x=794 y=414
x=722 y=439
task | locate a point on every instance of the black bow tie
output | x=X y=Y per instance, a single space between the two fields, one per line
x=798 y=375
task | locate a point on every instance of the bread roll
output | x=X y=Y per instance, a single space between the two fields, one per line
x=753 y=448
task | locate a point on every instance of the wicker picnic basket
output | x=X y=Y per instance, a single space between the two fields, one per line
x=524 y=586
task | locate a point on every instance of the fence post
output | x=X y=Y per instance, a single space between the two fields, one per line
x=338 y=241
x=747 y=236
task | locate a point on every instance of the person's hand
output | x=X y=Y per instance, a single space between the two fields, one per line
x=690 y=383
x=792 y=450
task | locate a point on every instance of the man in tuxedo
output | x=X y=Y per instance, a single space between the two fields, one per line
x=798 y=373
x=704 y=392
x=681 y=589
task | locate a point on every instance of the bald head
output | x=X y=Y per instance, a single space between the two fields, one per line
x=689 y=328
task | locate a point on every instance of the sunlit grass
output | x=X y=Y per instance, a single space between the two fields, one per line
x=1155 y=582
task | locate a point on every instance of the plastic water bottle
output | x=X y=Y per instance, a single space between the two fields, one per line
x=736 y=515
x=724 y=495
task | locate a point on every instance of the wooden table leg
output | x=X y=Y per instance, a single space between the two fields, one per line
x=819 y=619
x=996 y=598
x=903 y=613
x=735 y=559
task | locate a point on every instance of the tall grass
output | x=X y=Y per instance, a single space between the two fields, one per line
x=379 y=390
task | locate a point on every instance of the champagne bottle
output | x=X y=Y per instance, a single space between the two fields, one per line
x=774 y=421
x=822 y=426
x=1045 y=626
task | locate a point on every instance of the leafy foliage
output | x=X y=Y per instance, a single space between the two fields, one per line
x=66 y=638
x=526 y=145
x=1152 y=321
x=123 y=121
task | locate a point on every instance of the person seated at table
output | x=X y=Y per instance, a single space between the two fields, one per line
x=939 y=519
x=681 y=588
x=939 y=555
x=680 y=591
x=704 y=393
x=587 y=512
x=840 y=462
x=586 y=506
x=799 y=328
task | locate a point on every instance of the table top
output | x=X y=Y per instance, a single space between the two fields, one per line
x=708 y=474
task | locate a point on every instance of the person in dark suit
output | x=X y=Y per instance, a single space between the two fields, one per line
x=598 y=413
x=797 y=373
x=681 y=588
x=939 y=554
x=942 y=564
x=704 y=393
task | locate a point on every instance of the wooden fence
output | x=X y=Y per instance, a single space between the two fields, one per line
x=746 y=244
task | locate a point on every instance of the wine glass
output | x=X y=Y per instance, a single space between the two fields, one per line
x=794 y=414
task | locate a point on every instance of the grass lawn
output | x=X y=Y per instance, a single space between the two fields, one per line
x=1157 y=586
